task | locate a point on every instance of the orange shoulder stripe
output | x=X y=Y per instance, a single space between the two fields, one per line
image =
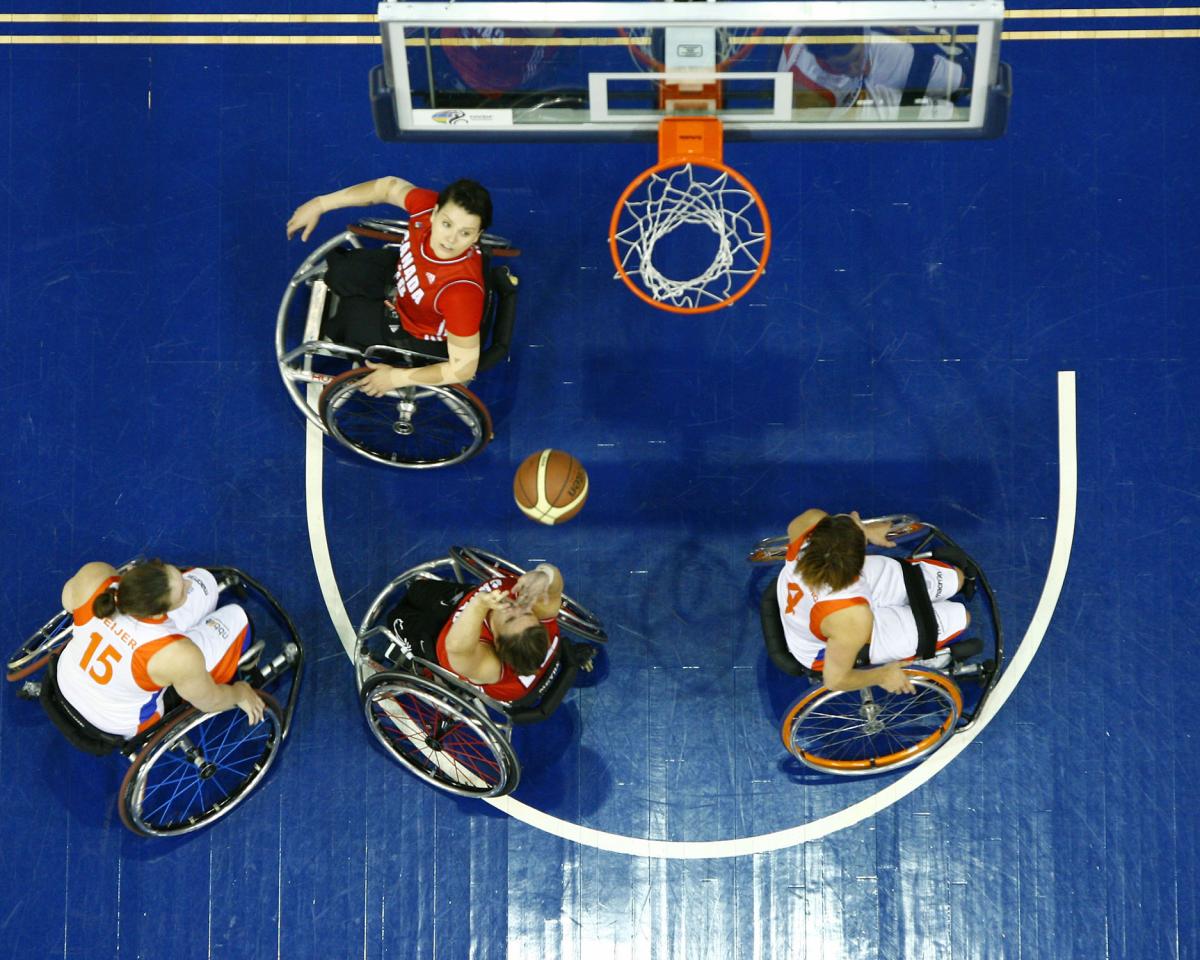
x=824 y=608
x=141 y=661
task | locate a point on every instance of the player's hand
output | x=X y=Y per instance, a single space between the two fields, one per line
x=492 y=599
x=248 y=701
x=531 y=588
x=895 y=680
x=876 y=533
x=305 y=218
x=382 y=379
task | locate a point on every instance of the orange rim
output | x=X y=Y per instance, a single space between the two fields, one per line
x=886 y=760
x=619 y=208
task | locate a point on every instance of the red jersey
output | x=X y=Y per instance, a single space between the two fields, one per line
x=511 y=686
x=436 y=297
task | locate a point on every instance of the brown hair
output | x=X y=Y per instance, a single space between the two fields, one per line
x=834 y=554
x=143 y=591
x=524 y=651
x=472 y=197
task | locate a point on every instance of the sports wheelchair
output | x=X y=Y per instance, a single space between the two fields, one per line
x=414 y=427
x=445 y=729
x=191 y=768
x=856 y=732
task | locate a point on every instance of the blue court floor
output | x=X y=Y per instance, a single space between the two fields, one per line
x=902 y=353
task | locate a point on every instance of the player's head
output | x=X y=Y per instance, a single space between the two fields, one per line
x=521 y=640
x=842 y=59
x=463 y=212
x=147 y=589
x=834 y=554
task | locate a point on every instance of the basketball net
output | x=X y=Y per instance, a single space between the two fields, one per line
x=690 y=186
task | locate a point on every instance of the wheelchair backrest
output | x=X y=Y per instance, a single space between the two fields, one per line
x=545 y=698
x=79 y=732
x=772 y=628
x=499 y=316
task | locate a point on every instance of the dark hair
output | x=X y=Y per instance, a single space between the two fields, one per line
x=472 y=197
x=524 y=651
x=143 y=591
x=834 y=554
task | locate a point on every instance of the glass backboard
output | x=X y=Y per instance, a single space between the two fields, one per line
x=598 y=70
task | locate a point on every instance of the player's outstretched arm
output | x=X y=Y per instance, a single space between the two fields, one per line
x=458 y=368
x=804 y=522
x=391 y=190
x=181 y=665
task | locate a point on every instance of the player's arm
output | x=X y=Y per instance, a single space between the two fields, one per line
x=801 y=524
x=544 y=584
x=467 y=653
x=181 y=665
x=459 y=367
x=87 y=580
x=391 y=190
x=848 y=631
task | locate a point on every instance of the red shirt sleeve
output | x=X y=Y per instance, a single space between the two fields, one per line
x=461 y=304
x=419 y=200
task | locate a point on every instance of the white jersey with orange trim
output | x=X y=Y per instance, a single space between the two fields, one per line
x=102 y=671
x=894 y=634
x=802 y=608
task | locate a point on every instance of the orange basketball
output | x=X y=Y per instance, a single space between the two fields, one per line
x=550 y=486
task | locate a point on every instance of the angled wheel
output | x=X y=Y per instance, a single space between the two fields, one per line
x=572 y=615
x=430 y=426
x=197 y=768
x=440 y=735
x=34 y=652
x=863 y=731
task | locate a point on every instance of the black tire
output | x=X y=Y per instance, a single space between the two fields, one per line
x=197 y=768
x=414 y=427
x=440 y=735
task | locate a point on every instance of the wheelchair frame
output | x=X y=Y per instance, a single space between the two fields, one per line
x=859 y=732
x=185 y=742
x=379 y=428
x=444 y=729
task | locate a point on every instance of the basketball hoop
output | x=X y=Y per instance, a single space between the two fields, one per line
x=690 y=187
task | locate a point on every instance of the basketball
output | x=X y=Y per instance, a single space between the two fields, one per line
x=550 y=486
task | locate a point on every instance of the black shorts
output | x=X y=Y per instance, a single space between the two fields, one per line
x=419 y=617
x=364 y=281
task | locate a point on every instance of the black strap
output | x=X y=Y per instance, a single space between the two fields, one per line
x=922 y=608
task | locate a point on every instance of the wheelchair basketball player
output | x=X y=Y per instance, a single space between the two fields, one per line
x=841 y=607
x=428 y=295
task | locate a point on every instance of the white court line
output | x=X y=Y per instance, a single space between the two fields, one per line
x=813 y=830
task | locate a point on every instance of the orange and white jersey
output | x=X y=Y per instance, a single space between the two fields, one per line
x=102 y=671
x=881 y=587
x=802 y=608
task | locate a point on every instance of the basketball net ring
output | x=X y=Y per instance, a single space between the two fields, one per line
x=690 y=186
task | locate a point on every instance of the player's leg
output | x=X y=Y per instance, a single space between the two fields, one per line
x=420 y=615
x=894 y=634
x=223 y=636
x=885 y=577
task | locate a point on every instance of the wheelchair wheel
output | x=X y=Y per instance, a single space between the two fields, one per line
x=429 y=426
x=864 y=731
x=439 y=735
x=35 y=651
x=572 y=615
x=197 y=768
